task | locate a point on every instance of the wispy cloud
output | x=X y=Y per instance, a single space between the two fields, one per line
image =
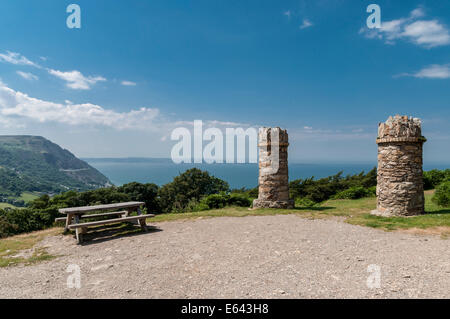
x=15 y=104
x=76 y=80
x=434 y=71
x=306 y=24
x=287 y=13
x=425 y=33
x=128 y=83
x=16 y=58
x=27 y=76
x=19 y=108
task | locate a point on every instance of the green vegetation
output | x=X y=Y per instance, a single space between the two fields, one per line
x=356 y=192
x=351 y=186
x=17 y=221
x=6 y=205
x=195 y=193
x=34 y=164
x=221 y=200
x=28 y=197
x=188 y=186
x=17 y=201
x=442 y=195
x=432 y=179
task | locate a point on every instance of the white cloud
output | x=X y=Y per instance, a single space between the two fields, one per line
x=27 y=75
x=425 y=33
x=306 y=24
x=16 y=58
x=14 y=104
x=417 y=13
x=434 y=71
x=287 y=13
x=76 y=80
x=128 y=83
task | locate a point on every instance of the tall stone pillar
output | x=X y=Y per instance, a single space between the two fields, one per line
x=400 y=175
x=273 y=169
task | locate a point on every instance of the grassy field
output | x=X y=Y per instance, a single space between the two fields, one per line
x=27 y=197
x=6 y=205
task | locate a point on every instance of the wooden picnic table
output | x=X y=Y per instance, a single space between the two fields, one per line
x=75 y=214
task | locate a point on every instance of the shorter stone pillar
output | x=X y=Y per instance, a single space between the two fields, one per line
x=400 y=175
x=273 y=170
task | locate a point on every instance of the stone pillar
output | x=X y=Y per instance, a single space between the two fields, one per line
x=273 y=170
x=400 y=175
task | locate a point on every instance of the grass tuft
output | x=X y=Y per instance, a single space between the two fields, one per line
x=11 y=248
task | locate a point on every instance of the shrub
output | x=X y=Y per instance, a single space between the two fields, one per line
x=354 y=192
x=16 y=221
x=147 y=193
x=192 y=184
x=432 y=179
x=325 y=188
x=442 y=194
x=196 y=206
x=216 y=200
x=304 y=202
x=240 y=200
x=372 y=191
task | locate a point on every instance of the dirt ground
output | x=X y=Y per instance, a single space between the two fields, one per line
x=251 y=257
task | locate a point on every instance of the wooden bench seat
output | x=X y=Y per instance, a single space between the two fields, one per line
x=81 y=228
x=110 y=221
x=63 y=219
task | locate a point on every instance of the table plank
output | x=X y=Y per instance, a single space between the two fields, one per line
x=85 y=209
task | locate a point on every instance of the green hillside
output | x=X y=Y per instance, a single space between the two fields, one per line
x=34 y=164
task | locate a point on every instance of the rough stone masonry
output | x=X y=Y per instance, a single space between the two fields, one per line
x=400 y=175
x=273 y=170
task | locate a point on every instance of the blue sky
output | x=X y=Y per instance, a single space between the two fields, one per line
x=137 y=69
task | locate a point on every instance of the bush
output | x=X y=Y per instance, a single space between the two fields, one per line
x=325 y=188
x=192 y=184
x=442 y=194
x=147 y=193
x=432 y=179
x=240 y=200
x=16 y=221
x=195 y=206
x=304 y=202
x=215 y=201
x=372 y=191
x=354 y=192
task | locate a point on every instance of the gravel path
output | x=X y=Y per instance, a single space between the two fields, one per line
x=252 y=257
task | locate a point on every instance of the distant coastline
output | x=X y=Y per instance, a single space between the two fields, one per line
x=162 y=170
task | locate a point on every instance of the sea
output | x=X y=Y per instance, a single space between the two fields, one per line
x=161 y=171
